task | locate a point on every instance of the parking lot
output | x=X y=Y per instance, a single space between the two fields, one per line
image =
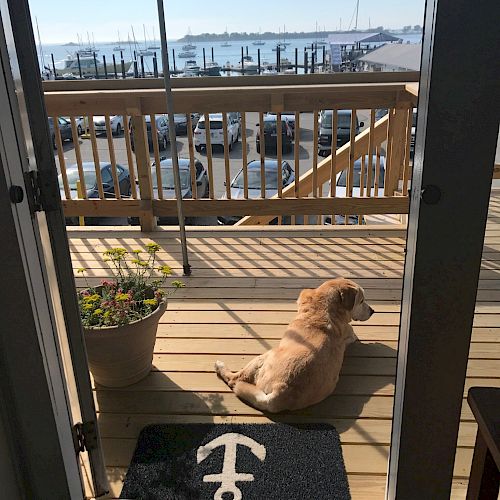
x=306 y=143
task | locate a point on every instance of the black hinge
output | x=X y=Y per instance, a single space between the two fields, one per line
x=33 y=191
x=84 y=436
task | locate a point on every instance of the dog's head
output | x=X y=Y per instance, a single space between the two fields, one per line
x=342 y=298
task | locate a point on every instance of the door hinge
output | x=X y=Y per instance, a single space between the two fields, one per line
x=84 y=436
x=33 y=191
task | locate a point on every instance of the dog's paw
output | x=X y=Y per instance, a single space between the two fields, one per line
x=219 y=366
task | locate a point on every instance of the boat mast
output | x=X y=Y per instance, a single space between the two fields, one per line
x=357 y=10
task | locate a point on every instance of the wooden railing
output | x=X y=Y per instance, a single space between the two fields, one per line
x=314 y=191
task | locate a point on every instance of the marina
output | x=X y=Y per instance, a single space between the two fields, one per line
x=129 y=59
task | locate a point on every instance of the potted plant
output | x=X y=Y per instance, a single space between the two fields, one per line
x=120 y=317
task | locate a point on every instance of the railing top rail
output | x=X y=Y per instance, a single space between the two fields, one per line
x=236 y=81
x=223 y=99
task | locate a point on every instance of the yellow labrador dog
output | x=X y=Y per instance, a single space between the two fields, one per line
x=304 y=368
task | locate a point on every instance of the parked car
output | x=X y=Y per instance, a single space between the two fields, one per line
x=380 y=113
x=216 y=132
x=79 y=121
x=254 y=185
x=116 y=123
x=161 y=132
x=289 y=115
x=271 y=135
x=90 y=178
x=168 y=185
x=64 y=129
x=343 y=129
x=180 y=121
x=341 y=190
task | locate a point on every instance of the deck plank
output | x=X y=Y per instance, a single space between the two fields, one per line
x=237 y=304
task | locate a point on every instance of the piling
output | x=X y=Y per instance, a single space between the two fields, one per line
x=204 y=61
x=258 y=60
x=296 y=60
x=136 y=69
x=155 y=65
x=278 y=58
x=212 y=54
x=114 y=66
x=173 y=59
x=306 y=69
x=95 y=66
x=242 y=62
x=105 y=68
x=53 y=66
x=79 y=64
x=122 y=62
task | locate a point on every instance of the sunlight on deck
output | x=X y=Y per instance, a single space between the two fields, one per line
x=237 y=304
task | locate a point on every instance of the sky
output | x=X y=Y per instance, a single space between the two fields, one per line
x=59 y=21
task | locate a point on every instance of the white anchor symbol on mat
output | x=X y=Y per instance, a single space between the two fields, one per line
x=229 y=476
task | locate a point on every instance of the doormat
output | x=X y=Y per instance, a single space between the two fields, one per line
x=237 y=462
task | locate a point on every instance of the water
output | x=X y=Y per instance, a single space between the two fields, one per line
x=222 y=55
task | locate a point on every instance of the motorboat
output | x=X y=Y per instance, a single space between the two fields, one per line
x=187 y=54
x=191 y=68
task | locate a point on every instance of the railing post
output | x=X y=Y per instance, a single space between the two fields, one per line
x=141 y=149
x=397 y=150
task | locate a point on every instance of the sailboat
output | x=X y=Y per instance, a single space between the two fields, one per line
x=153 y=46
x=259 y=41
x=118 y=48
x=280 y=45
x=188 y=46
x=226 y=43
x=145 y=51
x=284 y=31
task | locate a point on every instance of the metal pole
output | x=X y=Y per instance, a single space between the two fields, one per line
x=79 y=64
x=173 y=139
x=212 y=54
x=204 y=61
x=53 y=66
x=242 y=62
x=105 y=68
x=95 y=66
x=258 y=60
x=155 y=65
x=296 y=60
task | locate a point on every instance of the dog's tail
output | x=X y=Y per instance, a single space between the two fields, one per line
x=257 y=398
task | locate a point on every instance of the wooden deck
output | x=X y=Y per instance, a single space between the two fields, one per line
x=236 y=305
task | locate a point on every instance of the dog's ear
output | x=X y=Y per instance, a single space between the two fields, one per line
x=305 y=296
x=348 y=296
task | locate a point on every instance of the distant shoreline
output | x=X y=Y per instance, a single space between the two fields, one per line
x=221 y=37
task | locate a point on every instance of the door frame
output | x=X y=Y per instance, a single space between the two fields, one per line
x=33 y=140
x=456 y=140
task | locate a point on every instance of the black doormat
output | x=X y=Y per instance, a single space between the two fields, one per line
x=232 y=462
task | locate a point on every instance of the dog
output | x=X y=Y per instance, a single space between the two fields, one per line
x=304 y=368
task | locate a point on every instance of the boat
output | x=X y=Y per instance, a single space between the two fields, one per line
x=145 y=51
x=281 y=46
x=118 y=48
x=153 y=46
x=212 y=69
x=259 y=41
x=249 y=65
x=191 y=68
x=187 y=55
x=69 y=66
x=226 y=43
x=188 y=45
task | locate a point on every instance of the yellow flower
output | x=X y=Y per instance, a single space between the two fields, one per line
x=178 y=284
x=165 y=270
x=97 y=312
x=149 y=302
x=152 y=247
x=92 y=298
x=107 y=314
x=81 y=270
x=121 y=297
x=136 y=251
x=87 y=307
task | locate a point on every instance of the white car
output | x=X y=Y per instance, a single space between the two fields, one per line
x=341 y=190
x=116 y=124
x=216 y=132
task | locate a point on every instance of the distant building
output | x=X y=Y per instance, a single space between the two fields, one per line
x=391 y=57
x=345 y=47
